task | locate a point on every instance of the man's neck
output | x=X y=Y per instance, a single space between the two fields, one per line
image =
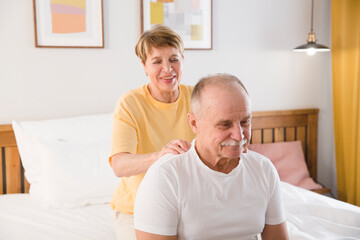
x=224 y=165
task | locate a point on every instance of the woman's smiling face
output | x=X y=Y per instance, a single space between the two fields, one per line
x=164 y=68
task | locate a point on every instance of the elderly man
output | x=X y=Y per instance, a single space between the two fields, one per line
x=218 y=189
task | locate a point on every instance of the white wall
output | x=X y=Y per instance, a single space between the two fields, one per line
x=251 y=39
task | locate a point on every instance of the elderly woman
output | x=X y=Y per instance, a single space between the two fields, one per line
x=149 y=121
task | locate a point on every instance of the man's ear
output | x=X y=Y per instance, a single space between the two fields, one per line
x=193 y=122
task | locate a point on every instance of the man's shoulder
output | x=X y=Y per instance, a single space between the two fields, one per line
x=175 y=164
x=257 y=158
x=252 y=154
x=164 y=160
x=168 y=170
x=170 y=160
x=259 y=166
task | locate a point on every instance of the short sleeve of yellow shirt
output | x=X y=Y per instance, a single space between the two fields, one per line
x=143 y=125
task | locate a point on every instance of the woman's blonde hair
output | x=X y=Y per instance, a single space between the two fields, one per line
x=158 y=36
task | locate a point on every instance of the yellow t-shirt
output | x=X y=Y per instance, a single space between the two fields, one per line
x=143 y=125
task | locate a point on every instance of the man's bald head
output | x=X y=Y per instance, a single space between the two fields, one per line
x=221 y=80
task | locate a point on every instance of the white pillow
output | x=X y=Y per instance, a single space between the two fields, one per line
x=66 y=160
x=76 y=175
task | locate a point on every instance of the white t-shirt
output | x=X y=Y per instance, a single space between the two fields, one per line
x=180 y=195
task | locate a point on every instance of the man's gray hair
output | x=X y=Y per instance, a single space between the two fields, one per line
x=219 y=79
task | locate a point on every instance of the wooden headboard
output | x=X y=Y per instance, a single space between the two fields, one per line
x=289 y=125
x=267 y=126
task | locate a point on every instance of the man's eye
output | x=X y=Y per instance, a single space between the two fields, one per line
x=225 y=125
x=244 y=123
x=174 y=60
x=157 y=62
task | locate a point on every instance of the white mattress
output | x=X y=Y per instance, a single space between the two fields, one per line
x=24 y=219
x=309 y=216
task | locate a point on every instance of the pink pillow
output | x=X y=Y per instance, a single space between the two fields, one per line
x=288 y=158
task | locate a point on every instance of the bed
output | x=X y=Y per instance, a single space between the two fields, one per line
x=71 y=183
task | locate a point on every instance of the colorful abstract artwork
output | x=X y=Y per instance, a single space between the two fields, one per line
x=69 y=23
x=68 y=16
x=191 y=19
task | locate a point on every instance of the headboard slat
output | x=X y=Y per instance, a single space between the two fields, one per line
x=290 y=134
x=268 y=135
x=301 y=136
x=256 y=136
x=279 y=135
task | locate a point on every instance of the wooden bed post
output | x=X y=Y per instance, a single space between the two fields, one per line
x=312 y=131
x=12 y=179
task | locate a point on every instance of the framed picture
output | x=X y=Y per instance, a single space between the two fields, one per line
x=69 y=23
x=191 y=19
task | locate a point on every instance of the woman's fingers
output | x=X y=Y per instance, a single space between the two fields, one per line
x=185 y=145
x=181 y=146
x=175 y=147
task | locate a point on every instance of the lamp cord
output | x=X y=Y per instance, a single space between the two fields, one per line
x=312 y=14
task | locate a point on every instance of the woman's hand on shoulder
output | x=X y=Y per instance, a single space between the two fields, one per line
x=125 y=164
x=176 y=146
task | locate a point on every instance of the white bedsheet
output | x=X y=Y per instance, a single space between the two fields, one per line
x=314 y=216
x=309 y=216
x=21 y=218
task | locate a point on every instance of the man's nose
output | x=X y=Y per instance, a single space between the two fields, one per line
x=237 y=133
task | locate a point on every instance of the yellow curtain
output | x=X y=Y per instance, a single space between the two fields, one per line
x=345 y=34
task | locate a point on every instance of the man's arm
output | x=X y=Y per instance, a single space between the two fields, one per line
x=156 y=204
x=140 y=235
x=276 y=232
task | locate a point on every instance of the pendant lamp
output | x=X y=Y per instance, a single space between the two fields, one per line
x=311 y=47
